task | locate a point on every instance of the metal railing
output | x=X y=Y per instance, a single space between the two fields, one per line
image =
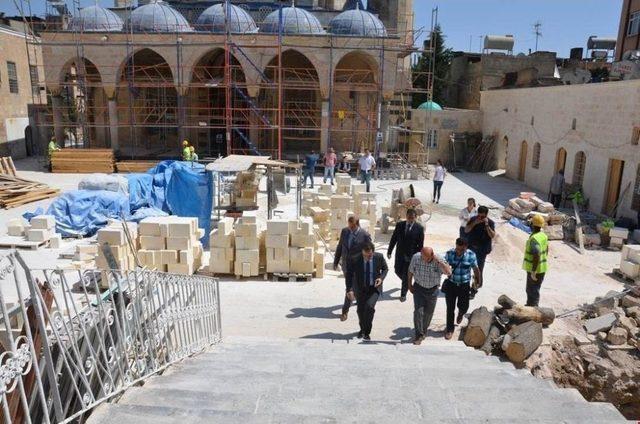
x=81 y=338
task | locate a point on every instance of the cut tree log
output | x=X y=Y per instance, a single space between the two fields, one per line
x=478 y=328
x=524 y=339
x=492 y=339
x=506 y=302
x=520 y=314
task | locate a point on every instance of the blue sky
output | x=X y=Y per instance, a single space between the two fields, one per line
x=565 y=23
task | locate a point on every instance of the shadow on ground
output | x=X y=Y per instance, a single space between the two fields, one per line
x=499 y=189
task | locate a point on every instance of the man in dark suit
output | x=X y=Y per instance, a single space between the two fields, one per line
x=364 y=283
x=352 y=240
x=408 y=239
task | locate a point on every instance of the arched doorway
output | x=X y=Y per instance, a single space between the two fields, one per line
x=523 y=161
x=301 y=105
x=561 y=159
x=354 y=103
x=83 y=107
x=579 y=166
x=207 y=108
x=147 y=103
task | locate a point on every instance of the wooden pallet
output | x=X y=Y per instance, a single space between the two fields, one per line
x=141 y=166
x=11 y=242
x=83 y=161
x=15 y=191
x=291 y=277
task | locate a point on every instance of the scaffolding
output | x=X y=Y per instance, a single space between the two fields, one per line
x=158 y=104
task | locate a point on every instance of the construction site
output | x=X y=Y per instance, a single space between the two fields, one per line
x=144 y=281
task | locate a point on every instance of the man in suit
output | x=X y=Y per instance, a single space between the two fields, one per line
x=364 y=283
x=352 y=240
x=408 y=239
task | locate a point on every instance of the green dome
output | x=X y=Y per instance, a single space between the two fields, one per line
x=430 y=106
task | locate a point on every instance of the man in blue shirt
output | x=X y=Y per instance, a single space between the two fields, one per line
x=310 y=162
x=462 y=261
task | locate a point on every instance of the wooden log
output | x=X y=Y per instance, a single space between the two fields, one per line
x=492 y=338
x=506 y=302
x=478 y=328
x=524 y=339
x=520 y=314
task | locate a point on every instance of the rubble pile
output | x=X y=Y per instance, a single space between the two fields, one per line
x=527 y=205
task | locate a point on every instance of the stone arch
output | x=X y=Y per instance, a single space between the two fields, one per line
x=318 y=60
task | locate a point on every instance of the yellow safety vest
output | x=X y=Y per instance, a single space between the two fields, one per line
x=543 y=242
x=186 y=153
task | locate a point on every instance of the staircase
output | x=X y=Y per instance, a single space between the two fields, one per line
x=319 y=381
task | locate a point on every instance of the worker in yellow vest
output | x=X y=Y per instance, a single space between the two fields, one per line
x=186 y=151
x=53 y=146
x=536 y=251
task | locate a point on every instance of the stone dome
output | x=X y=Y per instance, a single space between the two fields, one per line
x=96 y=19
x=158 y=16
x=357 y=22
x=429 y=105
x=213 y=20
x=294 y=21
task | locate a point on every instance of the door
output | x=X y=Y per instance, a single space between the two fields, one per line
x=561 y=159
x=614 y=182
x=523 y=161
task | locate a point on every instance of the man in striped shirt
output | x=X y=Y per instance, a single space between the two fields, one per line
x=425 y=272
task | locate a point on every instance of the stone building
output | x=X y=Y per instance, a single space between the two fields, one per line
x=592 y=131
x=145 y=82
x=629 y=31
x=21 y=89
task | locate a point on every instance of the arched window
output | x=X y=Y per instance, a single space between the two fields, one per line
x=561 y=159
x=578 y=168
x=535 y=160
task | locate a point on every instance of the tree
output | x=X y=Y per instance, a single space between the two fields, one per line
x=442 y=61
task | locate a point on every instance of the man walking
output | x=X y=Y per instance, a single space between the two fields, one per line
x=310 y=162
x=407 y=238
x=364 y=283
x=366 y=165
x=352 y=240
x=425 y=272
x=480 y=232
x=555 y=188
x=535 y=260
x=330 y=161
x=462 y=261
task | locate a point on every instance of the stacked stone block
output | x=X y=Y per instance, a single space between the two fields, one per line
x=113 y=238
x=277 y=246
x=222 y=247
x=247 y=240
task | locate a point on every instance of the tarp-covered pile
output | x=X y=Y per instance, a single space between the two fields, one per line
x=170 y=188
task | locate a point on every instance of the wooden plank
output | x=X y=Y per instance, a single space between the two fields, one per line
x=14 y=172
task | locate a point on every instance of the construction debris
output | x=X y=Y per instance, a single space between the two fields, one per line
x=83 y=161
x=527 y=205
x=7 y=167
x=15 y=191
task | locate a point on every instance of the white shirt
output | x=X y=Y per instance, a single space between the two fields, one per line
x=439 y=174
x=465 y=216
x=366 y=163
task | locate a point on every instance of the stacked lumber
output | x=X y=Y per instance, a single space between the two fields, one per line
x=15 y=191
x=482 y=159
x=140 y=166
x=83 y=161
x=6 y=166
x=510 y=329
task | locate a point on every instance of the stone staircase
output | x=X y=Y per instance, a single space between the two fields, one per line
x=246 y=381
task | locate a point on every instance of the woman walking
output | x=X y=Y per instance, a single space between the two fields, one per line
x=466 y=214
x=438 y=180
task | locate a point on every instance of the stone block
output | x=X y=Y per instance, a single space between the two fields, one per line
x=340 y=202
x=277 y=241
x=318 y=262
x=358 y=188
x=343 y=180
x=225 y=226
x=276 y=227
x=602 y=323
x=221 y=267
x=246 y=230
x=323 y=202
x=616 y=242
x=277 y=254
x=629 y=269
x=246 y=269
x=43 y=222
x=247 y=243
x=151 y=226
x=631 y=252
x=182 y=269
x=301 y=254
x=325 y=189
x=112 y=236
x=180 y=243
x=617 y=336
x=15 y=230
x=248 y=219
x=55 y=242
x=153 y=243
x=619 y=232
x=302 y=240
x=222 y=254
x=185 y=256
x=181 y=229
x=218 y=239
x=630 y=301
x=278 y=266
x=293 y=227
x=168 y=257
x=252 y=255
x=302 y=267
x=38 y=235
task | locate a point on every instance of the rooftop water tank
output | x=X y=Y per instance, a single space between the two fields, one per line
x=596 y=43
x=499 y=42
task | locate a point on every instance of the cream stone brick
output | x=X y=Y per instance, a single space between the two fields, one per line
x=324 y=202
x=15 y=230
x=112 y=235
x=182 y=269
x=277 y=241
x=221 y=267
x=343 y=180
x=302 y=240
x=252 y=255
x=246 y=230
x=301 y=254
x=55 y=242
x=248 y=219
x=43 y=222
x=325 y=189
x=222 y=254
x=38 y=235
x=277 y=227
x=168 y=257
x=186 y=256
x=153 y=243
x=217 y=239
x=278 y=266
x=247 y=243
x=180 y=243
x=225 y=226
x=303 y=267
x=340 y=202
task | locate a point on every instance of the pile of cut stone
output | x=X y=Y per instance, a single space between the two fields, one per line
x=41 y=229
x=615 y=320
x=512 y=330
x=527 y=205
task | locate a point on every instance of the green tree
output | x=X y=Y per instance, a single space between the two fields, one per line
x=443 y=56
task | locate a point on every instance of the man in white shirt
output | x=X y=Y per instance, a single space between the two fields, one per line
x=366 y=164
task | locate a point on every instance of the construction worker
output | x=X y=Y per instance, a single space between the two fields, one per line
x=535 y=260
x=53 y=146
x=194 y=155
x=186 y=151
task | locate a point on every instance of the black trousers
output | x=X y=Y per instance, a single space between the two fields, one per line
x=556 y=199
x=347 y=302
x=533 y=289
x=457 y=294
x=367 y=308
x=402 y=271
x=481 y=256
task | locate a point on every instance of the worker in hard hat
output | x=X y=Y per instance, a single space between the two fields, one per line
x=194 y=155
x=535 y=259
x=53 y=146
x=186 y=151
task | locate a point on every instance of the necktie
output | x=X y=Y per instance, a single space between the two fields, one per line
x=408 y=228
x=352 y=239
x=367 y=271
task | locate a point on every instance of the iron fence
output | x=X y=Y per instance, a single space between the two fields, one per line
x=71 y=340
